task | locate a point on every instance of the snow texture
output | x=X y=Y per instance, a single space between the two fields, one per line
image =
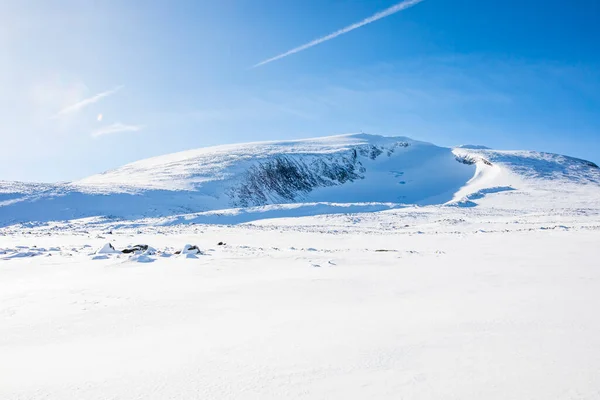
x=355 y=267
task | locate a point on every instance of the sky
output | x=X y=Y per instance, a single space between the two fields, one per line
x=87 y=86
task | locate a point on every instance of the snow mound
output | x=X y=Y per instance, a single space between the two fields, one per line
x=189 y=249
x=188 y=256
x=107 y=248
x=141 y=258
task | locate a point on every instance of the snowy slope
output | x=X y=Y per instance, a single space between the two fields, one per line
x=347 y=168
x=372 y=172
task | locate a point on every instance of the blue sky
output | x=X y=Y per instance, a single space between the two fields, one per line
x=170 y=76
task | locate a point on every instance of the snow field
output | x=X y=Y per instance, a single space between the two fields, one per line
x=286 y=313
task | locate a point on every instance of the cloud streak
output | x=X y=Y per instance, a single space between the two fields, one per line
x=86 y=102
x=115 y=128
x=382 y=14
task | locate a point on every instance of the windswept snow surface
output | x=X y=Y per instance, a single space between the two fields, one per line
x=420 y=303
x=476 y=278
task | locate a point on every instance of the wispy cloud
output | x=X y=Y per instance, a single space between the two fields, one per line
x=115 y=128
x=86 y=102
x=382 y=14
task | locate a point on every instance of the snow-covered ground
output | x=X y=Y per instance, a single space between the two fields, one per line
x=451 y=306
x=489 y=291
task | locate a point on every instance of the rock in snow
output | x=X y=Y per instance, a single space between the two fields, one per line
x=107 y=248
x=189 y=249
x=136 y=248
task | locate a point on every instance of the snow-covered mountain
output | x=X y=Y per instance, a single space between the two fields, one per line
x=474 y=280
x=357 y=169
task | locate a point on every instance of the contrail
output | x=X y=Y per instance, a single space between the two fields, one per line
x=86 y=102
x=382 y=14
x=116 y=128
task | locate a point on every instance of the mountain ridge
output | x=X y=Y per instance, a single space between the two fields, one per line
x=351 y=169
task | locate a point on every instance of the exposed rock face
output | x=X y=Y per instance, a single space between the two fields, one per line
x=469 y=159
x=287 y=178
x=136 y=248
x=465 y=159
